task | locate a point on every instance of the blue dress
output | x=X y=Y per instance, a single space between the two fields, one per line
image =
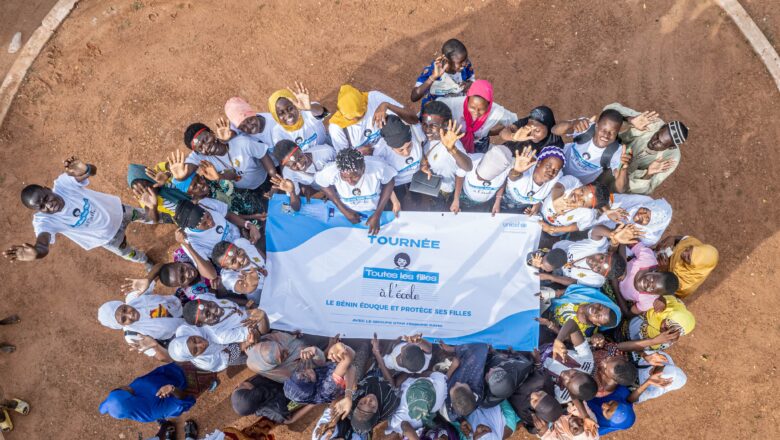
x=143 y=405
x=622 y=418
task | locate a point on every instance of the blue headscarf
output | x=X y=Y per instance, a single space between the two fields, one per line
x=323 y=389
x=623 y=417
x=174 y=195
x=580 y=294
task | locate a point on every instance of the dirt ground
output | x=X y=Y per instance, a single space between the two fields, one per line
x=121 y=79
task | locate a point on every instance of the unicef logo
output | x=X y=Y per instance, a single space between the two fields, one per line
x=76 y=212
x=402 y=261
x=409 y=160
x=356 y=192
x=220 y=229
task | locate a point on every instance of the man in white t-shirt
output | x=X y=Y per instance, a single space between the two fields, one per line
x=89 y=218
x=356 y=184
x=401 y=147
x=242 y=159
x=208 y=223
x=485 y=182
x=224 y=322
x=585 y=158
x=300 y=167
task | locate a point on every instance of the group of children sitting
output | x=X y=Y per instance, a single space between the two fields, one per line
x=612 y=285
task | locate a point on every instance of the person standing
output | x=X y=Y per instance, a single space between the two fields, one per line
x=89 y=218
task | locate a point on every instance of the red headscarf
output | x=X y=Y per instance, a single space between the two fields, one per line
x=484 y=90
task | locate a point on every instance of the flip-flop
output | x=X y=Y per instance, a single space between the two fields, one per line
x=190 y=429
x=13 y=319
x=6 y=424
x=22 y=407
x=7 y=348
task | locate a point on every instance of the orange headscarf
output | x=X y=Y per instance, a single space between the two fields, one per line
x=352 y=105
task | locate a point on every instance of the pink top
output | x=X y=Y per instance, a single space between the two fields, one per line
x=644 y=258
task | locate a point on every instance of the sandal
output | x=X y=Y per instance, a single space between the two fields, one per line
x=22 y=407
x=6 y=424
x=13 y=319
x=190 y=429
x=7 y=348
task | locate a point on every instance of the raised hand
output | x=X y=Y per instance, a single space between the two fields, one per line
x=412 y=339
x=627 y=234
x=591 y=427
x=625 y=157
x=176 y=165
x=283 y=184
x=455 y=207
x=302 y=100
x=134 y=285
x=223 y=131
x=23 y=252
x=654 y=359
x=160 y=177
x=143 y=343
x=375 y=348
x=439 y=67
x=617 y=215
x=642 y=120
x=560 y=352
x=659 y=165
x=254 y=316
x=452 y=135
x=380 y=115
x=522 y=134
x=308 y=353
x=165 y=391
x=670 y=335
x=525 y=160
x=146 y=197
x=657 y=380
x=342 y=408
x=208 y=170
x=582 y=124
x=74 y=166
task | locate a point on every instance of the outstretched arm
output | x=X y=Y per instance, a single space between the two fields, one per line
x=29 y=252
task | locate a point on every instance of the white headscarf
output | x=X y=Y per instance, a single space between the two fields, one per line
x=491 y=417
x=660 y=215
x=214 y=359
x=497 y=160
x=157 y=328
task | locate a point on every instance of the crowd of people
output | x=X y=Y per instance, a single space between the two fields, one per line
x=613 y=285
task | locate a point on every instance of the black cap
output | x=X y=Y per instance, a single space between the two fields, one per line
x=395 y=132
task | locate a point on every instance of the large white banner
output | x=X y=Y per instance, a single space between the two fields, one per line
x=461 y=278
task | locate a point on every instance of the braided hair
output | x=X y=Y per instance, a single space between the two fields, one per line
x=350 y=160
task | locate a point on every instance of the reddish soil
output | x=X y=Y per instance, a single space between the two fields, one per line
x=19 y=16
x=121 y=79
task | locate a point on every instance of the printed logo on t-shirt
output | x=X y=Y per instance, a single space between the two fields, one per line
x=371 y=137
x=303 y=144
x=356 y=191
x=220 y=229
x=237 y=162
x=586 y=155
x=485 y=183
x=85 y=214
x=409 y=160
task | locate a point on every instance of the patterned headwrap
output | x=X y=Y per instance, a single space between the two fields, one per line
x=551 y=152
x=420 y=398
x=679 y=133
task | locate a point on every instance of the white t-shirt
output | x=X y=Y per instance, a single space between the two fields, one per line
x=321 y=155
x=524 y=190
x=479 y=191
x=401 y=414
x=203 y=242
x=229 y=329
x=581 y=355
x=585 y=218
x=443 y=164
x=576 y=250
x=265 y=136
x=391 y=363
x=365 y=195
x=584 y=161
x=243 y=156
x=89 y=218
x=363 y=132
x=230 y=277
x=498 y=115
x=311 y=133
x=404 y=166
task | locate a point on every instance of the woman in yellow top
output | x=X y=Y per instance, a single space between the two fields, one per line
x=298 y=119
x=689 y=259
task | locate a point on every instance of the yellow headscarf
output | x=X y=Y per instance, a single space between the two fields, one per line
x=704 y=258
x=284 y=93
x=352 y=105
x=675 y=312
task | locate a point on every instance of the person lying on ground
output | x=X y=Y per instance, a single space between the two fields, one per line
x=654 y=146
x=208 y=223
x=242 y=160
x=494 y=423
x=89 y=218
x=595 y=152
x=572 y=206
x=578 y=423
x=651 y=216
x=243 y=267
x=421 y=400
x=483 y=187
x=584 y=309
x=144 y=314
x=449 y=75
x=466 y=379
x=535 y=399
x=298 y=119
x=360 y=116
x=503 y=376
x=193 y=345
x=532 y=179
x=277 y=355
x=643 y=284
x=407 y=356
x=689 y=259
x=300 y=168
x=588 y=262
x=261 y=397
x=444 y=155
x=534 y=131
x=479 y=116
x=157 y=395
x=224 y=322
x=357 y=185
